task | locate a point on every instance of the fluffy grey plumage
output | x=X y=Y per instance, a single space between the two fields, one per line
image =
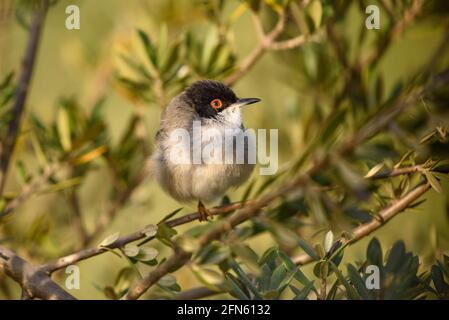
x=203 y=182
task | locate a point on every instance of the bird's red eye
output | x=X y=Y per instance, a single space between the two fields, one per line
x=216 y=103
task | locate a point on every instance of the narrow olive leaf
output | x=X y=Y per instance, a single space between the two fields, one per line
x=374 y=253
x=428 y=137
x=244 y=278
x=332 y=124
x=264 y=279
x=148 y=46
x=350 y=291
x=291 y=266
x=150 y=230
x=404 y=158
x=279 y=274
x=147 y=254
x=304 y=293
x=374 y=170
x=433 y=182
x=235 y=287
x=328 y=241
x=188 y=243
x=109 y=240
x=63 y=126
x=207 y=276
x=358 y=283
x=90 y=156
x=320 y=250
x=396 y=256
x=248 y=191
x=62 y=185
x=308 y=249
x=167 y=280
x=316 y=12
x=438 y=280
x=170 y=215
x=131 y=250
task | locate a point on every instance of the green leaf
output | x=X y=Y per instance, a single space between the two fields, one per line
x=434 y=183
x=235 y=287
x=328 y=241
x=358 y=283
x=170 y=215
x=207 y=276
x=374 y=253
x=372 y=172
x=147 y=254
x=63 y=126
x=304 y=293
x=438 y=280
x=350 y=291
x=131 y=250
x=150 y=230
x=167 y=280
x=316 y=12
x=332 y=124
x=396 y=256
x=308 y=249
x=109 y=240
x=244 y=278
x=148 y=46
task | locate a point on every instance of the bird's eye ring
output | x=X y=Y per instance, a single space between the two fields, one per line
x=216 y=103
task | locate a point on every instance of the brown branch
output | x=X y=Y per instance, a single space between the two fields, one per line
x=35 y=282
x=135 y=236
x=267 y=42
x=385 y=215
x=7 y=146
x=258 y=51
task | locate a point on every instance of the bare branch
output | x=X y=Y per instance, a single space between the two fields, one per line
x=384 y=216
x=7 y=147
x=135 y=236
x=35 y=282
x=408 y=17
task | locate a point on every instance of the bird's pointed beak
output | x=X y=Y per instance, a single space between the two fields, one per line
x=243 y=102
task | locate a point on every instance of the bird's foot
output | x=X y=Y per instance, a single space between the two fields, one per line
x=203 y=212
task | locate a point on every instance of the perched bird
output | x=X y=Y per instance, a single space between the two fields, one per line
x=214 y=106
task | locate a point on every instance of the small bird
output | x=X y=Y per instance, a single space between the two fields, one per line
x=215 y=106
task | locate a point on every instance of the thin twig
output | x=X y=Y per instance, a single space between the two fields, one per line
x=409 y=16
x=135 y=236
x=7 y=147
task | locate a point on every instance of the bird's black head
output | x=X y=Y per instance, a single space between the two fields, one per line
x=210 y=97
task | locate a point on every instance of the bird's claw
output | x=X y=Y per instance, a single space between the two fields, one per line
x=203 y=212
